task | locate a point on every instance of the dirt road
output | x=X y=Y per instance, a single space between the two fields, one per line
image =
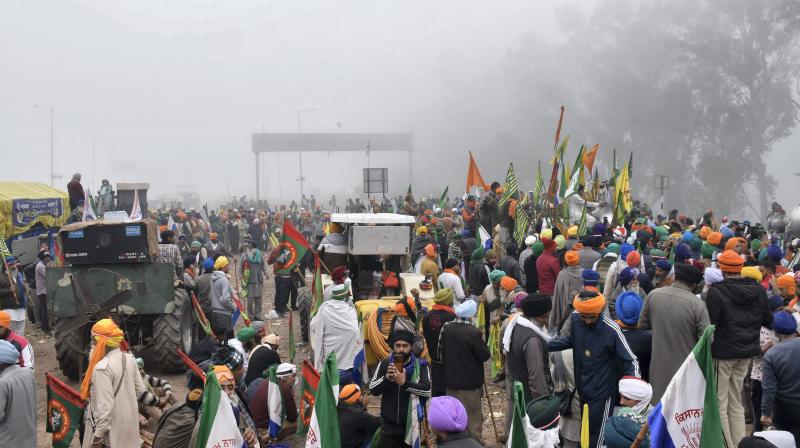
x=45 y=361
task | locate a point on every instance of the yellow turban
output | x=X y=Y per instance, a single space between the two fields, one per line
x=221 y=263
x=106 y=334
x=572 y=231
x=752 y=272
x=590 y=303
x=547 y=234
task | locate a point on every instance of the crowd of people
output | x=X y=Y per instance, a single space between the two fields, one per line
x=571 y=318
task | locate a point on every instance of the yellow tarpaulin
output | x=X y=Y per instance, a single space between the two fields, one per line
x=25 y=204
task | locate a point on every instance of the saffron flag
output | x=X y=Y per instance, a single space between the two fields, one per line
x=64 y=411
x=136 y=210
x=275 y=403
x=588 y=157
x=624 y=203
x=519 y=421
x=688 y=414
x=510 y=185
x=309 y=382
x=474 y=178
x=293 y=248
x=217 y=422
x=323 y=429
x=495 y=350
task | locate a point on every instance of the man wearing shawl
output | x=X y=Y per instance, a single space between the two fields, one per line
x=340 y=275
x=463 y=352
x=634 y=399
x=335 y=329
x=678 y=319
x=568 y=283
x=441 y=313
x=401 y=380
x=113 y=386
x=254 y=271
x=17 y=400
x=597 y=344
x=448 y=419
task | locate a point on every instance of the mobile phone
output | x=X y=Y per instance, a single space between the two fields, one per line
x=399 y=360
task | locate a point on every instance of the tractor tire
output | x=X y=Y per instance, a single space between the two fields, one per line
x=304 y=300
x=171 y=330
x=71 y=346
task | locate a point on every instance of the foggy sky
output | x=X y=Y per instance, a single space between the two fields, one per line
x=170 y=92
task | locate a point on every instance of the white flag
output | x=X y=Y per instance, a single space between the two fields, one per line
x=88 y=210
x=136 y=211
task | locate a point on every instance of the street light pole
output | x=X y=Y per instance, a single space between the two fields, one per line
x=300 y=153
x=52 y=117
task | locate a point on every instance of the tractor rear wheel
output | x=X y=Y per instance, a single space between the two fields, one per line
x=171 y=330
x=72 y=347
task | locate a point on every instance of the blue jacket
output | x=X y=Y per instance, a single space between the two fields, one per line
x=595 y=349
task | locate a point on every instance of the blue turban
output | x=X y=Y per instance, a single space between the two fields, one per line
x=208 y=264
x=625 y=249
x=682 y=252
x=10 y=259
x=8 y=353
x=628 y=307
x=726 y=232
x=775 y=302
x=664 y=265
x=687 y=236
x=590 y=277
x=782 y=323
x=465 y=233
x=467 y=309
x=774 y=253
x=626 y=275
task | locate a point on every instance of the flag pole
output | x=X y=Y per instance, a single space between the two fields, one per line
x=491 y=412
x=640 y=437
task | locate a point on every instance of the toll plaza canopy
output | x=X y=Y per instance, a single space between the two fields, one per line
x=26 y=204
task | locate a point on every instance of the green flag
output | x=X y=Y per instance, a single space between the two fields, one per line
x=510 y=185
x=582 y=222
x=517 y=437
x=323 y=430
x=443 y=198
x=539 y=187
x=521 y=222
x=64 y=411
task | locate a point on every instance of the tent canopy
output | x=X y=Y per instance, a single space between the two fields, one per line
x=26 y=204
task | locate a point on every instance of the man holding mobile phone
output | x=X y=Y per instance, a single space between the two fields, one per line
x=401 y=379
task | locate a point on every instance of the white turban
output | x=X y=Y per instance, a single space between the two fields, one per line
x=467 y=309
x=712 y=275
x=636 y=389
x=285 y=369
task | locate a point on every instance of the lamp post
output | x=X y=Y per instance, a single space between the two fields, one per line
x=52 y=116
x=299 y=153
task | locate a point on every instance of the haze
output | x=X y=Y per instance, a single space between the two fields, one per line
x=170 y=92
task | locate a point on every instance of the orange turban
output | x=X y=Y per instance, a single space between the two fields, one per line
x=402 y=307
x=508 y=283
x=223 y=373
x=732 y=243
x=714 y=238
x=788 y=283
x=589 y=302
x=5 y=319
x=430 y=250
x=571 y=258
x=106 y=334
x=729 y=261
x=633 y=259
x=350 y=394
x=704 y=232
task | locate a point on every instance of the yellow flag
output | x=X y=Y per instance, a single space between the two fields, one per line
x=481 y=320
x=623 y=190
x=585 y=427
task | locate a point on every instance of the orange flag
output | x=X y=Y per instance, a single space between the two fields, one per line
x=474 y=178
x=588 y=157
